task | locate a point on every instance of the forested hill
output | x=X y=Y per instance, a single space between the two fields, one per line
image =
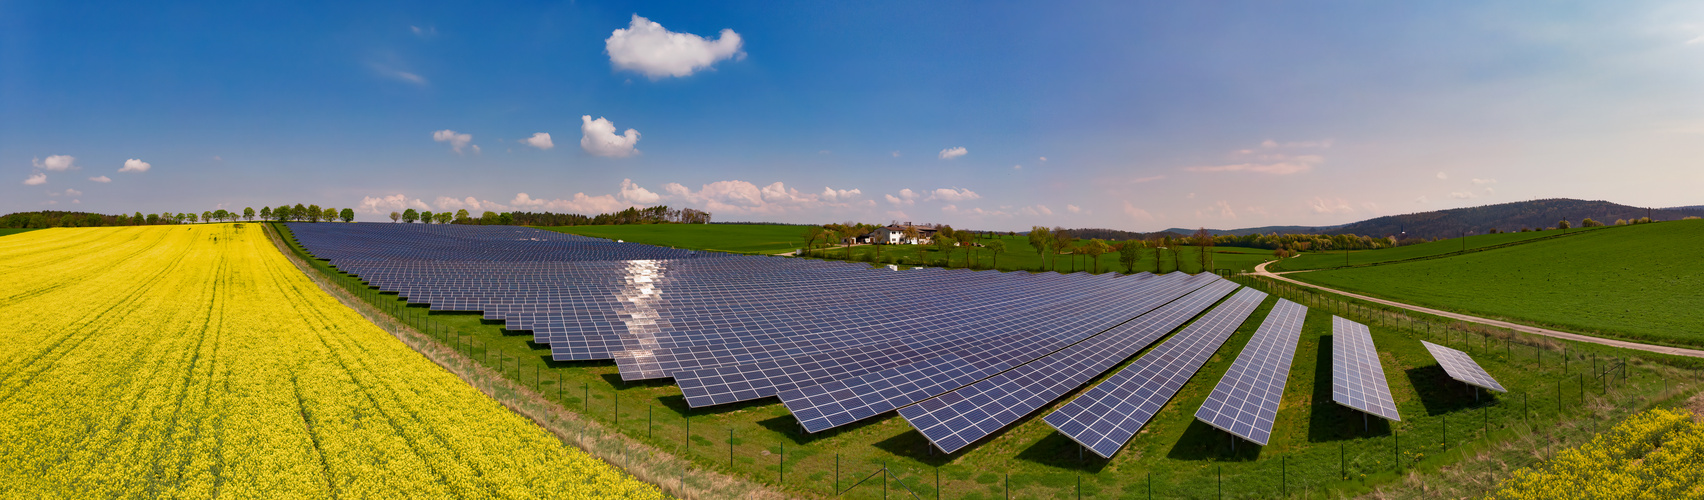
x=1479 y=220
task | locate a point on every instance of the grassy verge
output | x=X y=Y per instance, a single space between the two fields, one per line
x=1318 y=448
x=1637 y=282
x=1429 y=250
x=4 y=231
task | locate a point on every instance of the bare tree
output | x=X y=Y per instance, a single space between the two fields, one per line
x=395 y=216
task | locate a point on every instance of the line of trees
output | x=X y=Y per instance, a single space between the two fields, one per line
x=660 y=214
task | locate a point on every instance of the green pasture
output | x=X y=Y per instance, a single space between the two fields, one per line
x=1328 y=259
x=737 y=238
x=1318 y=448
x=5 y=231
x=1643 y=282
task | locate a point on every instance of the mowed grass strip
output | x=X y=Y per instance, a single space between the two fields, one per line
x=196 y=361
x=737 y=238
x=1642 y=282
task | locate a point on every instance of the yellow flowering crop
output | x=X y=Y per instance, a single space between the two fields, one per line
x=1658 y=454
x=196 y=362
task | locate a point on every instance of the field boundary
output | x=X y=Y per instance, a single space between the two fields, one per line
x=673 y=475
x=1653 y=348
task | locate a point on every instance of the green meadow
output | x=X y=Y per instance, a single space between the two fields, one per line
x=1433 y=249
x=4 y=231
x=737 y=238
x=1318 y=448
x=1643 y=282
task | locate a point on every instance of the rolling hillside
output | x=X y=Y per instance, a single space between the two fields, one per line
x=1451 y=223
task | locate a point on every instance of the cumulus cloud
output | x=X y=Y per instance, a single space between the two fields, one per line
x=1221 y=209
x=1462 y=195
x=387 y=204
x=56 y=163
x=635 y=194
x=895 y=154
x=741 y=197
x=36 y=179
x=1017 y=167
x=455 y=140
x=539 y=140
x=1484 y=181
x=1036 y=210
x=67 y=192
x=978 y=211
x=893 y=199
x=1421 y=199
x=428 y=31
x=649 y=49
x=1044 y=159
x=1150 y=178
x=101 y=179
x=598 y=137
x=135 y=165
x=952 y=195
x=1443 y=176
x=950 y=153
x=1326 y=206
x=1073 y=209
x=831 y=194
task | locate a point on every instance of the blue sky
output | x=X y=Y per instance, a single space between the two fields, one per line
x=1148 y=115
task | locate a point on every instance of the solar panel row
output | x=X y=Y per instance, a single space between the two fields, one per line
x=1106 y=416
x=961 y=417
x=1357 y=376
x=1245 y=402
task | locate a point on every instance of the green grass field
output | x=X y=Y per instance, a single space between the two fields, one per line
x=1314 y=439
x=1642 y=282
x=1326 y=260
x=738 y=238
x=4 y=231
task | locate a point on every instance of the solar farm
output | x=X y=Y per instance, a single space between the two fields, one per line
x=1089 y=362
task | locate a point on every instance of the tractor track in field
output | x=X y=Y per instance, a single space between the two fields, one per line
x=1260 y=270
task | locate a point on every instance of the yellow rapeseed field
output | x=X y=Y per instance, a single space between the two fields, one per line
x=1658 y=454
x=196 y=362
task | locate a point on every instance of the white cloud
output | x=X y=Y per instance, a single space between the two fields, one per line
x=831 y=194
x=978 y=212
x=635 y=194
x=101 y=179
x=56 y=163
x=950 y=153
x=1462 y=195
x=893 y=199
x=1700 y=39
x=1443 y=176
x=1320 y=144
x=390 y=71
x=1044 y=159
x=36 y=179
x=456 y=141
x=1421 y=199
x=1073 y=209
x=598 y=137
x=1485 y=181
x=539 y=140
x=471 y=204
x=72 y=192
x=396 y=202
x=1017 y=167
x=1490 y=191
x=952 y=195
x=1150 y=178
x=1036 y=210
x=1326 y=206
x=76 y=201
x=895 y=154
x=646 y=47
x=1137 y=213
x=428 y=31
x=135 y=165
x=1276 y=164
x=1220 y=209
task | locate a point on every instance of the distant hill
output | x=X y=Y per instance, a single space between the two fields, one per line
x=1687 y=208
x=1482 y=219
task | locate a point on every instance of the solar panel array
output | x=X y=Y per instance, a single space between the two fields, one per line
x=1461 y=367
x=1108 y=415
x=1245 y=402
x=1357 y=376
x=961 y=417
x=837 y=341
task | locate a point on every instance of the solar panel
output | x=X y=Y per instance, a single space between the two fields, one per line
x=961 y=417
x=1357 y=376
x=1461 y=367
x=1108 y=415
x=1246 y=400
